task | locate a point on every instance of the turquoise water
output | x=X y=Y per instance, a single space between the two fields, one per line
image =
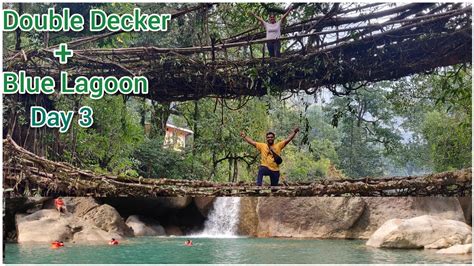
x=151 y=250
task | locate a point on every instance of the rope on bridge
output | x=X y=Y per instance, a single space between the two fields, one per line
x=26 y=172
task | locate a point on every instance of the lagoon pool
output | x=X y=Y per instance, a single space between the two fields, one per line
x=153 y=250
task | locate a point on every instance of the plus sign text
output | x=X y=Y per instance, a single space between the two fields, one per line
x=63 y=53
x=96 y=87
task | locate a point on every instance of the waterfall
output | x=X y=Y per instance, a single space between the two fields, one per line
x=223 y=218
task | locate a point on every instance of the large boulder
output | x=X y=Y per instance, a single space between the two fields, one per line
x=80 y=206
x=43 y=226
x=204 y=204
x=108 y=219
x=378 y=210
x=48 y=225
x=142 y=226
x=457 y=249
x=248 y=218
x=421 y=232
x=308 y=216
x=103 y=216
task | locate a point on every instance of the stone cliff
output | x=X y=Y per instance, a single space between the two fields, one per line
x=311 y=217
x=338 y=217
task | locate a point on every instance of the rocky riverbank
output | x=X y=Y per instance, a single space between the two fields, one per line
x=340 y=217
x=425 y=231
x=99 y=219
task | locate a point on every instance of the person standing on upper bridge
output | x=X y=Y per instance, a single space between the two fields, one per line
x=270 y=155
x=273 y=29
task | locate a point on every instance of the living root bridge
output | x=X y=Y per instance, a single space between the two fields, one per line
x=413 y=42
x=24 y=171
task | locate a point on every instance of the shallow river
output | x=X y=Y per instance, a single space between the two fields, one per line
x=151 y=250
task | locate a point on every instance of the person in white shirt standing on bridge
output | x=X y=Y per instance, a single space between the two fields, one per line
x=273 y=29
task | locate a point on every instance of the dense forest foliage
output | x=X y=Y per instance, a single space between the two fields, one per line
x=418 y=124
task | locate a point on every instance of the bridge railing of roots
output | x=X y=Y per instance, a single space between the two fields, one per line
x=26 y=172
x=345 y=46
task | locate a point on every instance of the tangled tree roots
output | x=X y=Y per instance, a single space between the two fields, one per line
x=26 y=172
x=335 y=49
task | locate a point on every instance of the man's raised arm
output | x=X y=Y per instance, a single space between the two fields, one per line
x=249 y=140
x=291 y=136
x=262 y=22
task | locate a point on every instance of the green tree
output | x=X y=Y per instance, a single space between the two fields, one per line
x=155 y=161
x=302 y=166
x=450 y=144
x=437 y=111
x=368 y=130
x=111 y=139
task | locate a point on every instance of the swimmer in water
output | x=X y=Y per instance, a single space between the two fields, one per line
x=188 y=243
x=113 y=241
x=57 y=244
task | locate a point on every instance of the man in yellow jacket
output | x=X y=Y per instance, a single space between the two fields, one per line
x=270 y=153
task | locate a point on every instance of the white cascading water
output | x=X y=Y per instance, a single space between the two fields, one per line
x=223 y=218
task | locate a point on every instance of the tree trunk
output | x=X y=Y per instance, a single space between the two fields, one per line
x=230 y=169
x=18 y=30
x=214 y=165
x=160 y=115
x=236 y=171
x=143 y=111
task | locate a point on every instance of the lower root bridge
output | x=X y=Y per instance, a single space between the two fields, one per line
x=24 y=171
